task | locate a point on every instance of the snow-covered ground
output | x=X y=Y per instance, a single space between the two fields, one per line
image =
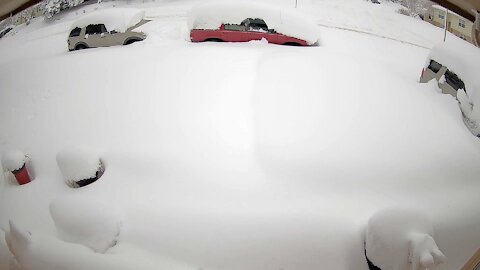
x=232 y=155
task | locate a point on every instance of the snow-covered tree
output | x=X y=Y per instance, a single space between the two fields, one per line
x=53 y=7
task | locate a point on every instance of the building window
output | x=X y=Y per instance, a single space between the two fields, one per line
x=441 y=15
x=461 y=23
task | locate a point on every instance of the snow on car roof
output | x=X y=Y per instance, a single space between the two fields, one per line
x=118 y=19
x=285 y=21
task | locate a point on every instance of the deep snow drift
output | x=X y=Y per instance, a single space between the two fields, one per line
x=231 y=155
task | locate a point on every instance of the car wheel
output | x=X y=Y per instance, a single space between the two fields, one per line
x=81 y=47
x=291 y=44
x=130 y=41
x=213 y=40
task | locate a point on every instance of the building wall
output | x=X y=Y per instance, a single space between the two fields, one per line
x=456 y=24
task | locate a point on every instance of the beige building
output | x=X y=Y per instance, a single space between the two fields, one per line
x=456 y=24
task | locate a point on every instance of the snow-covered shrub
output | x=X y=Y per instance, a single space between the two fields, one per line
x=53 y=7
x=91 y=223
x=79 y=163
x=401 y=239
x=289 y=22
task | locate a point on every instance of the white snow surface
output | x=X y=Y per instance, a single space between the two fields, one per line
x=401 y=239
x=13 y=160
x=237 y=155
x=78 y=162
x=87 y=221
x=289 y=22
x=464 y=60
x=118 y=19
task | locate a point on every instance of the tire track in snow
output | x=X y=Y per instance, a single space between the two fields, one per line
x=372 y=34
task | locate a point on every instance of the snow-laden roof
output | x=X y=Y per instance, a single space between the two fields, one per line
x=118 y=19
x=289 y=22
x=13 y=160
x=463 y=59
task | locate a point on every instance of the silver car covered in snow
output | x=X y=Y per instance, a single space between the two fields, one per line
x=106 y=28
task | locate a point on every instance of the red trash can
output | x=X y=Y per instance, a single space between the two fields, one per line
x=22 y=175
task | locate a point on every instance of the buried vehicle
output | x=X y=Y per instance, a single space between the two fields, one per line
x=107 y=28
x=247 y=30
x=234 y=22
x=454 y=65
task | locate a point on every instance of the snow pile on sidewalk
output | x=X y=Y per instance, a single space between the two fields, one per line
x=13 y=160
x=401 y=238
x=118 y=19
x=285 y=21
x=463 y=59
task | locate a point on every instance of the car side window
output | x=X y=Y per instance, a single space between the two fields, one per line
x=234 y=27
x=434 y=66
x=453 y=80
x=75 y=32
x=255 y=25
x=95 y=29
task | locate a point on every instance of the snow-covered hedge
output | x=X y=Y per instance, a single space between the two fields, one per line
x=78 y=163
x=463 y=59
x=13 y=160
x=402 y=238
x=92 y=223
x=53 y=7
x=289 y=22
x=118 y=19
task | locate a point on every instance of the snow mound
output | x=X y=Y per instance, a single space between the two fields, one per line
x=78 y=163
x=13 y=160
x=118 y=19
x=289 y=22
x=463 y=59
x=400 y=239
x=91 y=223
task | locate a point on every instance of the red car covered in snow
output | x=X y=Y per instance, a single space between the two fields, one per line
x=249 y=29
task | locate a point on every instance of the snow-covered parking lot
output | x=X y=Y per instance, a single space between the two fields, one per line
x=233 y=155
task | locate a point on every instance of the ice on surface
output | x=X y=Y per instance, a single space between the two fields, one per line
x=401 y=239
x=118 y=19
x=78 y=163
x=289 y=22
x=13 y=160
x=87 y=221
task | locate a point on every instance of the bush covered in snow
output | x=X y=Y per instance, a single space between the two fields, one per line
x=401 y=239
x=53 y=7
x=285 y=21
x=92 y=223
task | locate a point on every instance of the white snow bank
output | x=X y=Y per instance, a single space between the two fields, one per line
x=463 y=59
x=34 y=251
x=78 y=163
x=289 y=22
x=86 y=221
x=13 y=160
x=118 y=19
x=401 y=238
